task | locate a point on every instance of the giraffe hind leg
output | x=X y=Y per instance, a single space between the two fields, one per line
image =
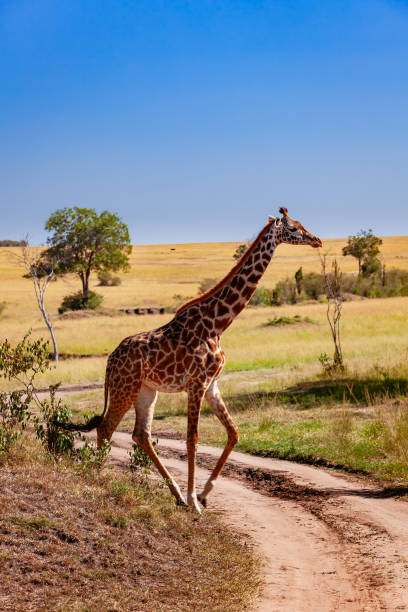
x=214 y=399
x=119 y=404
x=144 y=406
x=195 y=397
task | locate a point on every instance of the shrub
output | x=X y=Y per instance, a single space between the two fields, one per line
x=138 y=458
x=25 y=361
x=14 y=417
x=261 y=297
x=380 y=283
x=88 y=457
x=284 y=320
x=20 y=364
x=106 y=279
x=289 y=320
x=285 y=292
x=3 y=306
x=330 y=367
x=370 y=266
x=78 y=301
x=314 y=285
x=55 y=414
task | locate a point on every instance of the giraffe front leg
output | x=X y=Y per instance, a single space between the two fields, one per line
x=195 y=397
x=214 y=399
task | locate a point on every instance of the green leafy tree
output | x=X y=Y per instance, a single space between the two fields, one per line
x=83 y=241
x=364 y=246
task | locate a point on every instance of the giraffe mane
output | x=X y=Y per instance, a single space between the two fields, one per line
x=231 y=273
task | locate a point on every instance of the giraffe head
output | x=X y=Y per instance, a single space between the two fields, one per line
x=293 y=232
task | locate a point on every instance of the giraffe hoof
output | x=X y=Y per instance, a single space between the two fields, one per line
x=182 y=503
x=202 y=500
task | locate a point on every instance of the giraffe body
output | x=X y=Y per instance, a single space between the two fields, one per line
x=185 y=355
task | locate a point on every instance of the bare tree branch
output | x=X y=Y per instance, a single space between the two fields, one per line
x=334 y=307
x=41 y=276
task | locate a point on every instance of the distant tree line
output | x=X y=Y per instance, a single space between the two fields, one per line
x=13 y=243
x=372 y=279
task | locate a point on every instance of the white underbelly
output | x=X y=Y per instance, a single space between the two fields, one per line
x=175 y=387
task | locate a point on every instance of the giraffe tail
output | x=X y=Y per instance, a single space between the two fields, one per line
x=93 y=422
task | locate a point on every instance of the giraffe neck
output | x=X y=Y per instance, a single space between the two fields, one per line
x=216 y=309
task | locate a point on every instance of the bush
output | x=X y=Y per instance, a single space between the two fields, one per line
x=89 y=458
x=20 y=365
x=79 y=301
x=54 y=413
x=331 y=367
x=285 y=292
x=261 y=297
x=106 y=279
x=3 y=306
x=138 y=458
x=392 y=283
x=314 y=285
x=289 y=320
x=370 y=266
x=14 y=416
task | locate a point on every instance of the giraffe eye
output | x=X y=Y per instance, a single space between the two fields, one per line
x=293 y=229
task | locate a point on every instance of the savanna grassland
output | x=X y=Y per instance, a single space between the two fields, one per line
x=167 y=275
x=272 y=381
x=274 y=388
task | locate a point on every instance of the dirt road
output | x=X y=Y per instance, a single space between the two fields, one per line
x=329 y=542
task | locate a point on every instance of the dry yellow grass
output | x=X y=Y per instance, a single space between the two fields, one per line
x=111 y=541
x=373 y=330
x=158 y=272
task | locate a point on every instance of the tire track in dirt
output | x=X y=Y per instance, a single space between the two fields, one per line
x=371 y=526
x=329 y=542
x=309 y=564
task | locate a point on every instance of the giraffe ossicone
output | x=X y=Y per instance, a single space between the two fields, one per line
x=185 y=355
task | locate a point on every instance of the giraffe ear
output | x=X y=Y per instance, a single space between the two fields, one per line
x=270 y=218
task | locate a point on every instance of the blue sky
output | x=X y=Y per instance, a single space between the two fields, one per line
x=194 y=120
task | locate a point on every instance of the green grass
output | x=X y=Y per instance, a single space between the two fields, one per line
x=370 y=441
x=289 y=320
x=357 y=423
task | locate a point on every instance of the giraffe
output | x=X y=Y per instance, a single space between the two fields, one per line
x=185 y=355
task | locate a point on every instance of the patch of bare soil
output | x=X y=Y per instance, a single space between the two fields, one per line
x=64 y=389
x=329 y=542
x=367 y=521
